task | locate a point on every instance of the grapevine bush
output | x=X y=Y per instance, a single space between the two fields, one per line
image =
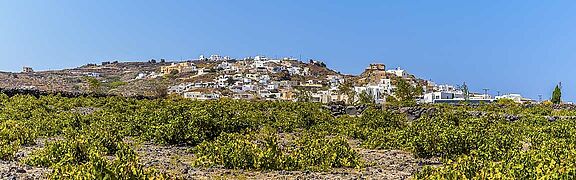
x=310 y=152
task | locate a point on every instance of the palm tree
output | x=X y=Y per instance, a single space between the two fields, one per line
x=346 y=88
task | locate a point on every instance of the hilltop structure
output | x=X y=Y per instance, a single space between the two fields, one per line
x=27 y=70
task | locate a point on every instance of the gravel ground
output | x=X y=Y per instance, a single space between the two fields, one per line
x=14 y=170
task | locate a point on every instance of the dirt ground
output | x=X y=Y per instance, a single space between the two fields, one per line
x=14 y=170
x=383 y=164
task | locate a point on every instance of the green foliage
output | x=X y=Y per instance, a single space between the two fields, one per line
x=82 y=158
x=557 y=95
x=115 y=84
x=346 y=88
x=94 y=84
x=303 y=95
x=365 y=98
x=311 y=152
x=406 y=93
x=320 y=153
x=13 y=134
x=505 y=102
x=8 y=150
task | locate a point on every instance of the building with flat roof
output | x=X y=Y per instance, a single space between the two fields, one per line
x=27 y=69
x=377 y=66
x=178 y=67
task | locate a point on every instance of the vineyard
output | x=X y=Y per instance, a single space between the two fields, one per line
x=102 y=138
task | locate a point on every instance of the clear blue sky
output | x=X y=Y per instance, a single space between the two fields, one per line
x=523 y=46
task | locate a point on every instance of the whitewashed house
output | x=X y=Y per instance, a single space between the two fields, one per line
x=399 y=72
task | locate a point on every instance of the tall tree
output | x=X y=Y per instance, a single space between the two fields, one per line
x=465 y=91
x=346 y=88
x=557 y=95
x=94 y=84
x=405 y=92
x=366 y=98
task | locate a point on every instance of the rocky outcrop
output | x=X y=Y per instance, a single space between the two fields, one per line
x=414 y=113
x=340 y=109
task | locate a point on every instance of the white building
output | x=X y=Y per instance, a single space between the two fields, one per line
x=479 y=96
x=335 y=80
x=271 y=86
x=376 y=92
x=225 y=66
x=201 y=72
x=93 y=74
x=386 y=84
x=455 y=97
x=294 y=71
x=264 y=79
x=260 y=58
x=141 y=76
x=398 y=72
x=216 y=57
x=433 y=97
x=515 y=97
x=178 y=89
x=444 y=87
x=223 y=80
x=258 y=64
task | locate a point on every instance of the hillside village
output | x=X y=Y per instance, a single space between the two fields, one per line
x=250 y=78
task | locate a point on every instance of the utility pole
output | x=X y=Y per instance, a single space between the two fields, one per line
x=539 y=97
x=485 y=92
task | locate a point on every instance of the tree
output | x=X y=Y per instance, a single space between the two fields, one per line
x=303 y=95
x=391 y=100
x=405 y=92
x=230 y=81
x=94 y=84
x=557 y=95
x=174 y=72
x=284 y=75
x=159 y=88
x=366 y=98
x=464 y=88
x=346 y=88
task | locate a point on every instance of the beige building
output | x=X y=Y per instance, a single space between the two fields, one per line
x=245 y=96
x=287 y=95
x=373 y=74
x=335 y=97
x=178 y=67
x=378 y=67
